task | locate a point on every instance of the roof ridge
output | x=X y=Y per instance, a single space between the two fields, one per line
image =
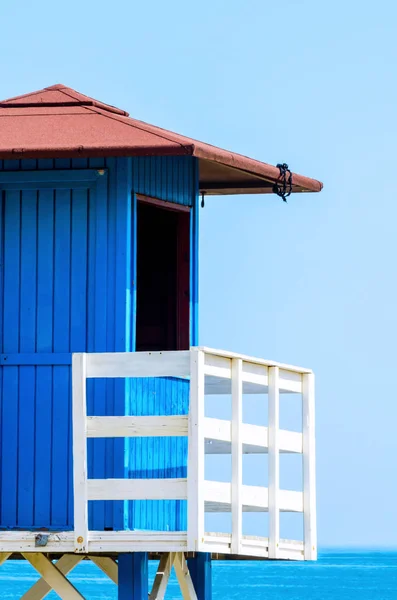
x=77 y=97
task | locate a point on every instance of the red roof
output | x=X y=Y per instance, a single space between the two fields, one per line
x=60 y=122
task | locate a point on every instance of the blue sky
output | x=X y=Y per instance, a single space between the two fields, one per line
x=312 y=282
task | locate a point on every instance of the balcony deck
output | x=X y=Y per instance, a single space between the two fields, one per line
x=211 y=372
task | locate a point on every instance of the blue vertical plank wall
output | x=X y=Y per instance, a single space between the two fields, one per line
x=173 y=180
x=67 y=262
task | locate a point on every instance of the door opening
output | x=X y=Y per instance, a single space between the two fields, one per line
x=163 y=277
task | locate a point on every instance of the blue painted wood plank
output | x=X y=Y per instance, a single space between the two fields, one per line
x=100 y=324
x=111 y=312
x=1 y=322
x=51 y=176
x=37 y=358
x=79 y=163
x=122 y=324
x=28 y=164
x=95 y=163
x=62 y=163
x=9 y=448
x=90 y=334
x=27 y=343
x=200 y=568
x=194 y=262
x=9 y=420
x=61 y=453
x=78 y=297
x=133 y=576
x=11 y=165
x=45 y=163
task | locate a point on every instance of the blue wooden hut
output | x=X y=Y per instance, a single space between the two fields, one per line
x=99 y=254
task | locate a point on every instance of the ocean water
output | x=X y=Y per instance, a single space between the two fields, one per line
x=337 y=575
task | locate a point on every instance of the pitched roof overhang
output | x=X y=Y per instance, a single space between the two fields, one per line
x=59 y=122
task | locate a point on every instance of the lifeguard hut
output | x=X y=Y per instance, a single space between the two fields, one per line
x=104 y=434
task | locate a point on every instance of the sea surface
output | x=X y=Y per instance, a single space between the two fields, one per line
x=340 y=575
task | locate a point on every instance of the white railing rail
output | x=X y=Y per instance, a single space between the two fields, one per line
x=210 y=372
x=120 y=365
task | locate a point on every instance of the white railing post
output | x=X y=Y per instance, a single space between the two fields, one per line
x=309 y=468
x=237 y=454
x=79 y=424
x=195 y=472
x=274 y=461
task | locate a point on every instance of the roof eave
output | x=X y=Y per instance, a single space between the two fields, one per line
x=261 y=175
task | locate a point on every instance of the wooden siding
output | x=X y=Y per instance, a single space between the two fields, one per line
x=67 y=263
x=158 y=458
x=166 y=178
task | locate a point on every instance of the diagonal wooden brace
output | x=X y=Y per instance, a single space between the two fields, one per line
x=53 y=576
x=4 y=556
x=108 y=566
x=178 y=561
x=41 y=588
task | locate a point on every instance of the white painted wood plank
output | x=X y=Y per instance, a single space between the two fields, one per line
x=290 y=501
x=137 y=489
x=290 y=441
x=41 y=588
x=139 y=364
x=252 y=436
x=162 y=577
x=259 y=361
x=108 y=566
x=256 y=374
x=309 y=468
x=254 y=546
x=274 y=461
x=4 y=556
x=100 y=541
x=290 y=381
x=183 y=576
x=53 y=576
x=196 y=452
x=217 y=429
x=218 y=491
x=237 y=454
x=100 y=427
x=255 y=496
x=217 y=366
x=79 y=419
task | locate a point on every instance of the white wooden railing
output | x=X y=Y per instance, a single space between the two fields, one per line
x=210 y=372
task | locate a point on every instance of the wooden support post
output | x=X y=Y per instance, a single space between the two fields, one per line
x=108 y=566
x=133 y=576
x=237 y=454
x=274 y=462
x=41 y=588
x=195 y=470
x=183 y=576
x=4 y=556
x=309 y=468
x=162 y=576
x=53 y=576
x=79 y=409
x=200 y=568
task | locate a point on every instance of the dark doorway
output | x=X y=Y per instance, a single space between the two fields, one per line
x=163 y=251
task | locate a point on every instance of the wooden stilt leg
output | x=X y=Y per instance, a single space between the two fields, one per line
x=162 y=576
x=200 y=568
x=53 y=576
x=133 y=576
x=4 y=556
x=108 y=566
x=41 y=588
x=183 y=575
